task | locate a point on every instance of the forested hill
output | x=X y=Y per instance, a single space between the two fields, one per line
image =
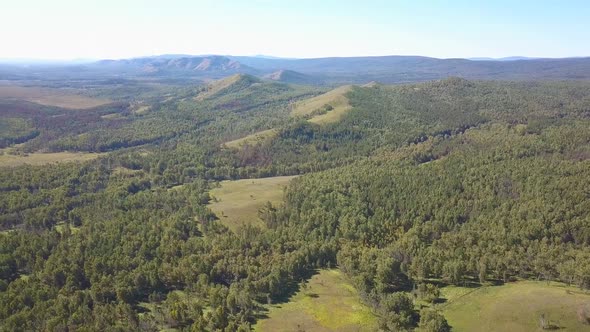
x=410 y=188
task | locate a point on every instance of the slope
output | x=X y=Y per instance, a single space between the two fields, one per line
x=229 y=84
x=290 y=76
x=325 y=108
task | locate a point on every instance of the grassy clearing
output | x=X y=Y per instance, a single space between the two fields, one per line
x=112 y=116
x=142 y=109
x=336 y=99
x=252 y=139
x=328 y=303
x=50 y=97
x=237 y=202
x=61 y=227
x=218 y=86
x=36 y=159
x=513 y=307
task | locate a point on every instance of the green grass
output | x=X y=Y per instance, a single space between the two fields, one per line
x=335 y=98
x=328 y=303
x=237 y=202
x=513 y=307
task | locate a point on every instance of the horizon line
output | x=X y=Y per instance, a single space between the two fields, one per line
x=24 y=60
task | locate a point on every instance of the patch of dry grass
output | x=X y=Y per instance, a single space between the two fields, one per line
x=237 y=202
x=217 y=86
x=37 y=159
x=252 y=139
x=50 y=97
x=335 y=98
x=142 y=109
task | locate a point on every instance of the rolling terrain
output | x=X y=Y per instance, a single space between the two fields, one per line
x=425 y=206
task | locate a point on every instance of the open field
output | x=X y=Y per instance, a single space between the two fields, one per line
x=36 y=159
x=335 y=98
x=252 y=139
x=513 y=307
x=328 y=303
x=50 y=97
x=237 y=202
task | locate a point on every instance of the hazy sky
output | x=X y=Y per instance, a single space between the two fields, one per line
x=68 y=29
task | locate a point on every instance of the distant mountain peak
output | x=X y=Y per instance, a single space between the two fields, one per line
x=213 y=63
x=208 y=63
x=218 y=63
x=288 y=76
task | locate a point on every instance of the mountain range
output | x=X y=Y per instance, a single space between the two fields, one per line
x=319 y=71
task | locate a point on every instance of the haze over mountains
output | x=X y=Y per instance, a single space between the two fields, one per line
x=385 y=69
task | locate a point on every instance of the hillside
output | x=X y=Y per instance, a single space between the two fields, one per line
x=325 y=108
x=232 y=83
x=290 y=76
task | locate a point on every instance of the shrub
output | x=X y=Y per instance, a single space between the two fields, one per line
x=432 y=321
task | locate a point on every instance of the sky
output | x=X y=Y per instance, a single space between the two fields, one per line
x=99 y=29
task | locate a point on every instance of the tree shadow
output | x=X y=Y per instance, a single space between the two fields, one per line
x=440 y=300
x=552 y=327
x=289 y=290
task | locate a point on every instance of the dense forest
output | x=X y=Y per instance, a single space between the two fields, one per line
x=453 y=181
